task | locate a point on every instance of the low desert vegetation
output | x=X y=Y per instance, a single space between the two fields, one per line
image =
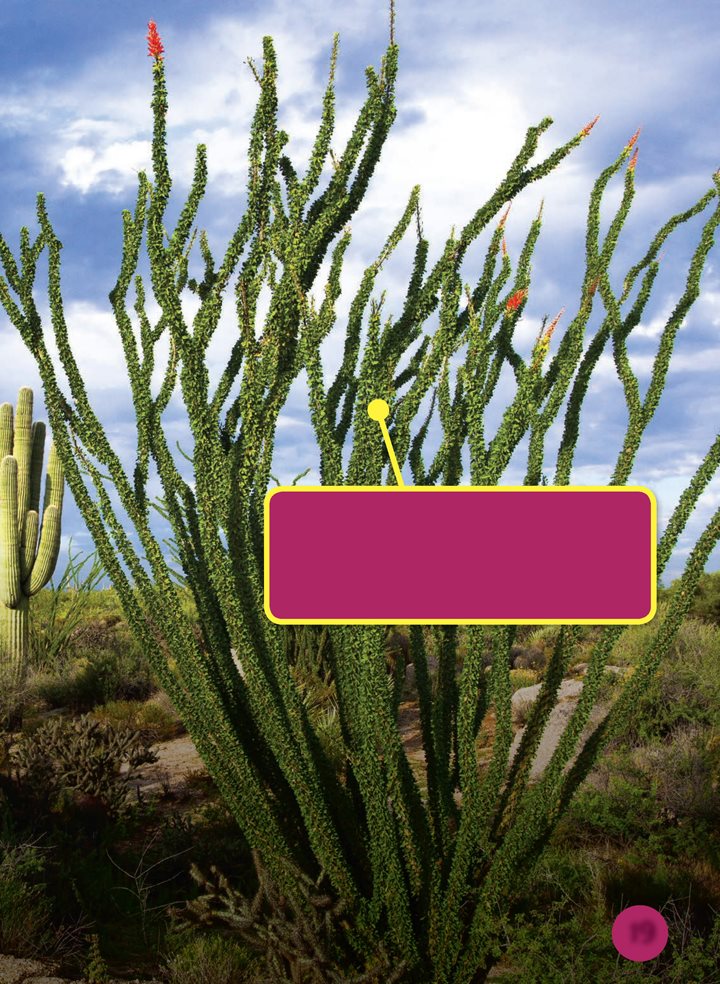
x=91 y=874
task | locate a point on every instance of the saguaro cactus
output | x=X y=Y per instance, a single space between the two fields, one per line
x=27 y=561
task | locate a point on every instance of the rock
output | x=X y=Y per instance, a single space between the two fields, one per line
x=580 y=669
x=49 y=980
x=410 y=686
x=559 y=716
x=14 y=970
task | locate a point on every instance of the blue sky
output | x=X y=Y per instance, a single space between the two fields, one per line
x=75 y=123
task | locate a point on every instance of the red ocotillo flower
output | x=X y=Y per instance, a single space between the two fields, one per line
x=514 y=302
x=504 y=218
x=155 y=47
x=632 y=140
x=633 y=160
x=588 y=127
x=543 y=343
x=547 y=335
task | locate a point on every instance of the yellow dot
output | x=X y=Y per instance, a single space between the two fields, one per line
x=378 y=409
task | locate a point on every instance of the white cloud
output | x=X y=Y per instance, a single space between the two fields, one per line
x=85 y=168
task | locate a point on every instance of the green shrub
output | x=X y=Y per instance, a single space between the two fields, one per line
x=706 y=602
x=541 y=635
x=148 y=718
x=684 y=691
x=208 y=960
x=58 y=611
x=25 y=910
x=684 y=773
x=622 y=809
x=523 y=678
x=561 y=930
x=74 y=688
x=633 y=643
x=96 y=971
x=119 y=672
x=558 y=946
x=658 y=801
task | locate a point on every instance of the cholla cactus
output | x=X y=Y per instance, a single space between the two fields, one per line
x=27 y=561
x=94 y=759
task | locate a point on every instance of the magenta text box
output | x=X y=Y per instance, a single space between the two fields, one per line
x=460 y=555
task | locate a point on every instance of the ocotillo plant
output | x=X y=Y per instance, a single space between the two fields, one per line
x=27 y=561
x=363 y=871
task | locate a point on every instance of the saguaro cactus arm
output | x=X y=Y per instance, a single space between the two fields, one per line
x=41 y=563
x=9 y=535
x=47 y=553
x=25 y=565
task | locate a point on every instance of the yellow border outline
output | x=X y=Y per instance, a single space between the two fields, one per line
x=464 y=488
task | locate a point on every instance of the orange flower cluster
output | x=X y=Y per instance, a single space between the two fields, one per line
x=155 y=47
x=504 y=218
x=514 y=302
x=543 y=343
x=588 y=127
x=633 y=160
x=633 y=139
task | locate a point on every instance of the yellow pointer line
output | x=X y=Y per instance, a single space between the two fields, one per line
x=379 y=410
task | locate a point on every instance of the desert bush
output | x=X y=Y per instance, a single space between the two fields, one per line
x=14 y=698
x=208 y=959
x=698 y=646
x=654 y=806
x=58 y=611
x=574 y=943
x=529 y=657
x=96 y=971
x=117 y=672
x=684 y=773
x=25 y=910
x=560 y=928
x=619 y=804
x=523 y=678
x=148 y=718
x=684 y=690
x=705 y=603
x=75 y=688
x=634 y=641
